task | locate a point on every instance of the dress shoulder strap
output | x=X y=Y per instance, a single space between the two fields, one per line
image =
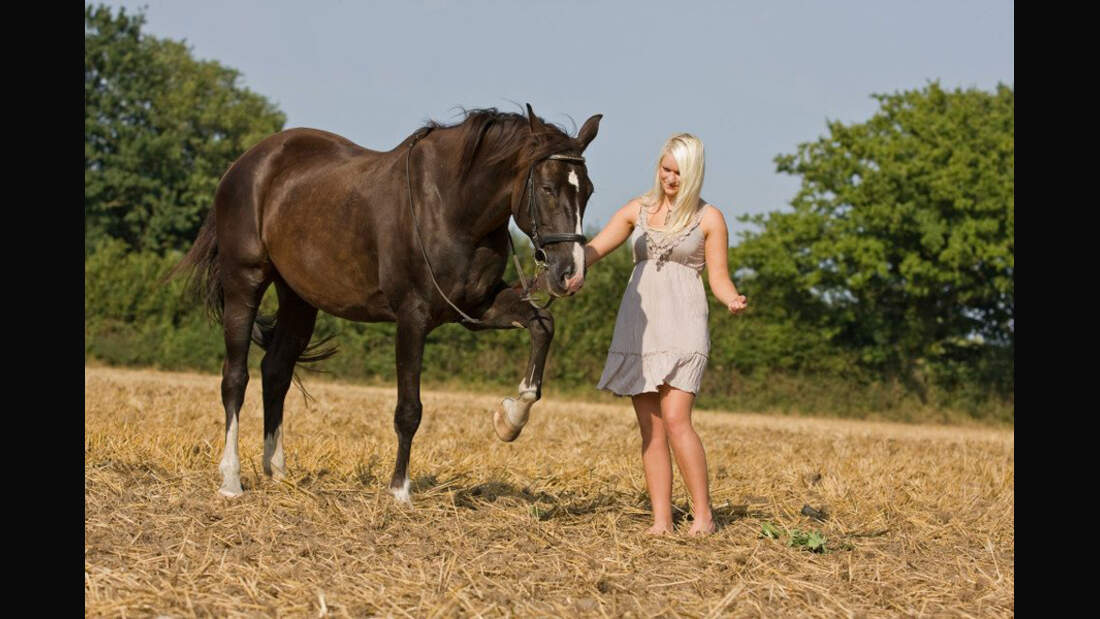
x=699 y=215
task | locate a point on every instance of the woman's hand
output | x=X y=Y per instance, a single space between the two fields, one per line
x=738 y=304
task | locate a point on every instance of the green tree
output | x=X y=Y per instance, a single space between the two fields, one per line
x=160 y=128
x=900 y=243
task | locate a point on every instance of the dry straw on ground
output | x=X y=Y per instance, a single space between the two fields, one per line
x=919 y=518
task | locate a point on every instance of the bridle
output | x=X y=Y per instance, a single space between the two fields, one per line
x=536 y=238
x=539 y=240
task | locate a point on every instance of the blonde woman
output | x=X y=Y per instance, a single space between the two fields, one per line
x=659 y=348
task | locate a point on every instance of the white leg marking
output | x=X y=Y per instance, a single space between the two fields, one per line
x=230 y=466
x=517 y=410
x=402 y=493
x=274 y=459
x=525 y=387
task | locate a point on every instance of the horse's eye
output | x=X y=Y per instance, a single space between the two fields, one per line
x=548 y=189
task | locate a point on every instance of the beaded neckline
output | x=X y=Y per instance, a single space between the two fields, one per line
x=659 y=244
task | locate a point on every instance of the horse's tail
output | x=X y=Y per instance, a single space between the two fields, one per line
x=204 y=281
x=263 y=331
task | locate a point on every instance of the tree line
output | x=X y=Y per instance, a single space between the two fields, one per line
x=887 y=284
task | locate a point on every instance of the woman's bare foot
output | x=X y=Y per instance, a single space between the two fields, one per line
x=702 y=527
x=659 y=529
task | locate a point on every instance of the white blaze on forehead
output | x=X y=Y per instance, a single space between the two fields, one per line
x=573 y=180
x=578 y=250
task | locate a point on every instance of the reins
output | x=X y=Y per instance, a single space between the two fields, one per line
x=539 y=254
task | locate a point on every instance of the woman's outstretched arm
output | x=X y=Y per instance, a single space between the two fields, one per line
x=715 y=250
x=613 y=234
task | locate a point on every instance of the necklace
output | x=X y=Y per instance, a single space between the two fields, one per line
x=659 y=244
x=657 y=210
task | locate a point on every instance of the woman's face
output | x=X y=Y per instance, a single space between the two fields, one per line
x=670 y=176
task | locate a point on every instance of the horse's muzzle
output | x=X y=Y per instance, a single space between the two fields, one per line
x=573 y=284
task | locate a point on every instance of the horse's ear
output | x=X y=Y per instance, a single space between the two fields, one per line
x=589 y=130
x=536 y=124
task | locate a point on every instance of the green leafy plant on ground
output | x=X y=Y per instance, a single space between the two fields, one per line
x=813 y=541
x=769 y=531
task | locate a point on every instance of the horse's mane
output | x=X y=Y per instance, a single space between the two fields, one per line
x=511 y=137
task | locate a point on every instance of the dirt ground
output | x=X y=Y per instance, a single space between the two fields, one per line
x=919 y=519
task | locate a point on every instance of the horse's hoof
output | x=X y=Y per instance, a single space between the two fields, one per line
x=230 y=492
x=275 y=474
x=504 y=429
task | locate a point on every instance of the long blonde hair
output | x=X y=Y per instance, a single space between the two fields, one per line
x=687 y=150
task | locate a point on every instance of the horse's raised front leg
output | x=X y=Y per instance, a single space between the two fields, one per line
x=509 y=310
x=411 y=333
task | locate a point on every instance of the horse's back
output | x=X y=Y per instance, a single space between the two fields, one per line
x=280 y=166
x=299 y=148
x=297 y=202
x=317 y=142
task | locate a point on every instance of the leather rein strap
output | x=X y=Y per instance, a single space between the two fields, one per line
x=539 y=241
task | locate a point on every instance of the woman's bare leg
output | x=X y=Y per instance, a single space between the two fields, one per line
x=655 y=461
x=676 y=408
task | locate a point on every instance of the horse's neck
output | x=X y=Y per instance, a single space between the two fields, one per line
x=481 y=202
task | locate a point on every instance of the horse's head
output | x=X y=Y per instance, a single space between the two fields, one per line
x=549 y=207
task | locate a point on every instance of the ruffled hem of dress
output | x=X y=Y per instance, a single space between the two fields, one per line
x=632 y=373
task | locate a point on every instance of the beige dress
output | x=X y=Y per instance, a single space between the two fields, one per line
x=661 y=330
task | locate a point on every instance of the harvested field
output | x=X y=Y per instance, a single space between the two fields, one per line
x=920 y=519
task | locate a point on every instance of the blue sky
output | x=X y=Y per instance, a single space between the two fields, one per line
x=751 y=79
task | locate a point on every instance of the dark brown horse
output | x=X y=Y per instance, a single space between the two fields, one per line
x=383 y=236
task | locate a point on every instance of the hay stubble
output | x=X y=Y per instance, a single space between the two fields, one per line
x=548 y=525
